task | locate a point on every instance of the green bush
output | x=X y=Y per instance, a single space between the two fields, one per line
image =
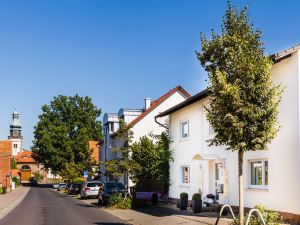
x=196 y=196
x=1 y=191
x=184 y=195
x=119 y=202
x=270 y=217
x=16 y=180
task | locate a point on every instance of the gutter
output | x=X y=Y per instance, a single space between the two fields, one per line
x=155 y=119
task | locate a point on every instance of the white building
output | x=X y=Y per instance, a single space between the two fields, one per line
x=15 y=134
x=141 y=121
x=272 y=178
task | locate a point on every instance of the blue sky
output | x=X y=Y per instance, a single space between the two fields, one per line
x=117 y=52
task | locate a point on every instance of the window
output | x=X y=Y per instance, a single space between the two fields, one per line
x=15 y=145
x=185 y=175
x=259 y=174
x=185 y=130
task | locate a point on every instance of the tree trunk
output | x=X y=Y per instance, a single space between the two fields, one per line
x=241 y=188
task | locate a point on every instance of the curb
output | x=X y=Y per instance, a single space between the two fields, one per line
x=13 y=205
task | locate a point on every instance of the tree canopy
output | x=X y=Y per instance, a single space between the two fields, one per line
x=62 y=133
x=243 y=99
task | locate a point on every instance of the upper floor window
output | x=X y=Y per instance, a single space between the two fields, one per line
x=185 y=133
x=15 y=145
x=259 y=174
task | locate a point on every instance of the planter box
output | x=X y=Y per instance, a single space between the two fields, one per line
x=197 y=206
x=183 y=204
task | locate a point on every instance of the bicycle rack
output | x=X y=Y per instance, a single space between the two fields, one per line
x=221 y=211
x=249 y=216
x=258 y=213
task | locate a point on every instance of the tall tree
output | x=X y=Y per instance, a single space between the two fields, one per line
x=62 y=133
x=243 y=100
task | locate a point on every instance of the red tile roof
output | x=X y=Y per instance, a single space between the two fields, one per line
x=157 y=102
x=25 y=156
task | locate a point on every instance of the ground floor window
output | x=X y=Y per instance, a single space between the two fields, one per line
x=185 y=174
x=259 y=173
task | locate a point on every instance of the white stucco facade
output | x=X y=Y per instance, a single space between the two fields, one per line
x=281 y=163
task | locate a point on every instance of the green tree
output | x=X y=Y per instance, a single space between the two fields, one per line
x=13 y=163
x=150 y=158
x=62 y=133
x=37 y=176
x=243 y=100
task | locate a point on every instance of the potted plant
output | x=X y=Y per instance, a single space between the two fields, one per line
x=196 y=203
x=184 y=197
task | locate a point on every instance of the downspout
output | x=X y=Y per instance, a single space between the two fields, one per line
x=155 y=118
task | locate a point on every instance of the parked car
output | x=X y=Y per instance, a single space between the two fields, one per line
x=109 y=188
x=67 y=187
x=75 y=189
x=90 y=189
x=61 y=186
x=55 y=186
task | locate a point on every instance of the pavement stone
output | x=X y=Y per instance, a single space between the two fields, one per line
x=11 y=200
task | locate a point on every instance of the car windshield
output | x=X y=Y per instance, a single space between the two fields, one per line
x=93 y=185
x=62 y=184
x=75 y=185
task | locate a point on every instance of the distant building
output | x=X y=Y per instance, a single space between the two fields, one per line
x=5 y=155
x=95 y=150
x=15 y=134
x=27 y=166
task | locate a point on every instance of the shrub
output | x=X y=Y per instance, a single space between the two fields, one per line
x=119 y=202
x=184 y=195
x=196 y=196
x=270 y=217
x=1 y=191
x=16 y=180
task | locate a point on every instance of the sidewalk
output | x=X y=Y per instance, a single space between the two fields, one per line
x=10 y=200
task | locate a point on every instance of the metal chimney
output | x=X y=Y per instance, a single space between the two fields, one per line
x=147 y=103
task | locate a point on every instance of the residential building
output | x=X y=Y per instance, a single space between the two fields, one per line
x=15 y=134
x=5 y=155
x=272 y=177
x=141 y=122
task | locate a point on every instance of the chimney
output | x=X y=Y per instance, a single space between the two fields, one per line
x=147 y=103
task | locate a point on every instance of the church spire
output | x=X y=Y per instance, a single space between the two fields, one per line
x=15 y=127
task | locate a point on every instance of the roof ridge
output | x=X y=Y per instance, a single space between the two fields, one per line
x=157 y=102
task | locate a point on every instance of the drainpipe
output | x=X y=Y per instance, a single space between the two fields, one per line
x=155 y=118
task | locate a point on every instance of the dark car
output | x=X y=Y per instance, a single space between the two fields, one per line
x=109 y=188
x=67 y=187
x=74 y=189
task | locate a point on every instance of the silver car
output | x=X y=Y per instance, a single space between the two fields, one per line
x=90 y=189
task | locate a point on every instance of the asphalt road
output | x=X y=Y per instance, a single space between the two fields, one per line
x=43 y=206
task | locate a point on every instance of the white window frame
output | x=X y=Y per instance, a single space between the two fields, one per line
x=182 y=175
x=181 y=129
x=263 y=185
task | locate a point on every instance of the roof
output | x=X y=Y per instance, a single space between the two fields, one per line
x=185 y=103
x=25 y=156
x=277 y=57
x=157 y=102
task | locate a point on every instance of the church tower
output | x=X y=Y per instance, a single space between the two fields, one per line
x=16 y=134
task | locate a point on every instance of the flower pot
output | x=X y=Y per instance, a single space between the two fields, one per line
x=197 y=205
x=183 y=204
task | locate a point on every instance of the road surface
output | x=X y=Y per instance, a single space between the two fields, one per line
x=43 y=206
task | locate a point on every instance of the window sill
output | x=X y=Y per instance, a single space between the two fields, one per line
x=184 y=139
x=263 y=189
x=184 y=186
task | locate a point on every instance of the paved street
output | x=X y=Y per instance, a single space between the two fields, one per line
x=43 y=206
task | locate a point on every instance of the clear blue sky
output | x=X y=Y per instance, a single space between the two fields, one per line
x=117 y=52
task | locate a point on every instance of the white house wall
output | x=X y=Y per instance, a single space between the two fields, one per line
x=148 y=125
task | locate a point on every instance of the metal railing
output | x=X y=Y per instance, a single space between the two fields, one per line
x=233 y=216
